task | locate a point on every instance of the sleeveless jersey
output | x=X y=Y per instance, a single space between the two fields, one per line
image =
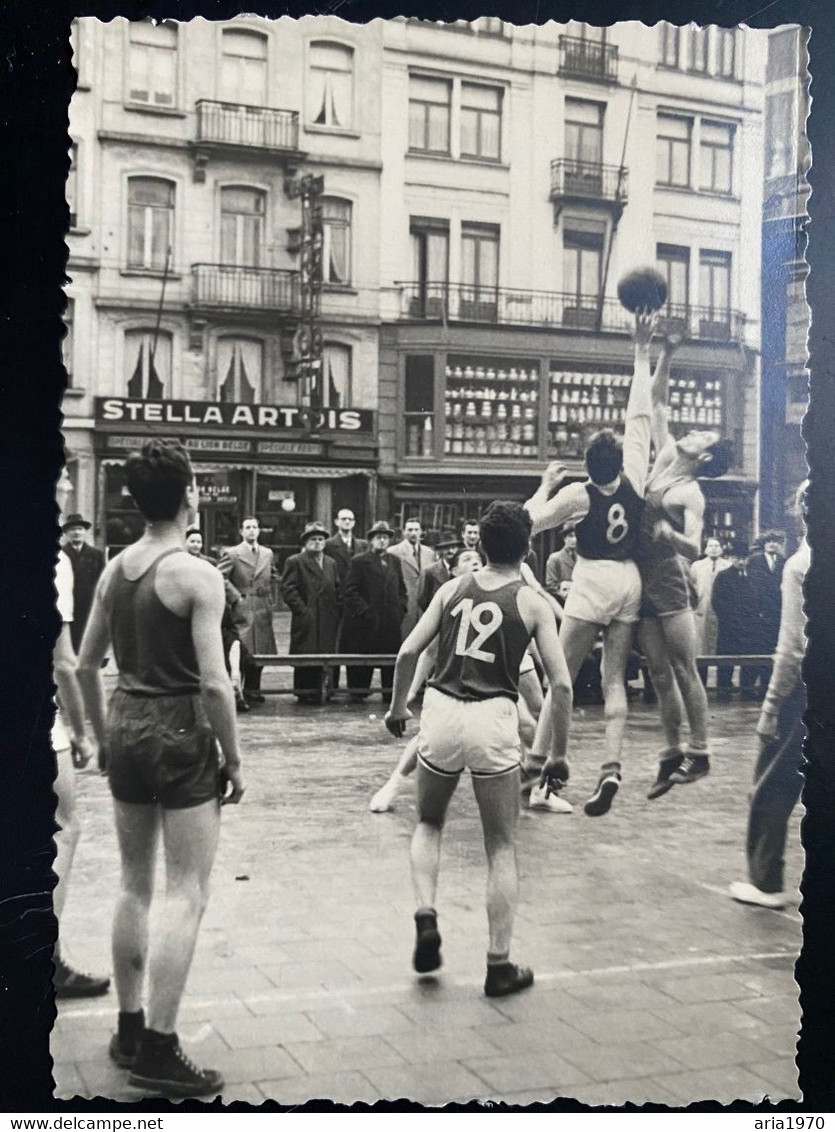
x=649 y=549
x=481 y=642
x=610 y=529
x=152 y=646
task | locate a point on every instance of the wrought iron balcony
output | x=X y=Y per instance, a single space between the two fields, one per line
x=220 y=285
x=256 y=127
x=458 y=302
x=589 y=180
x=588 y=59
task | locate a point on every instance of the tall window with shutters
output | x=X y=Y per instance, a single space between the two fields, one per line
x=336 y=244
x=241 y=226
x=674 y=264
x=582 y=273
x=715 y=289
x=240 y=365
x=148 y=364
x=243 y=67
x=430 y=259
x=332 y=389
x=481 y=121
x=331 y=85
x=150 y=222
x=152 y=64
x=672 y=153
x=716 y=145
x=479 y=271
x=429 y=114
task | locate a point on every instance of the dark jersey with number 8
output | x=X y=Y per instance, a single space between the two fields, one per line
x=481 y=642
x=610 y=529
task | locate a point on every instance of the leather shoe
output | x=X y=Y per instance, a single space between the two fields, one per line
x=255 y=697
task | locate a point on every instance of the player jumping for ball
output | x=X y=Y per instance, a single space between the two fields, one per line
x=606 y=586
x=670 y=536
x=484 y=622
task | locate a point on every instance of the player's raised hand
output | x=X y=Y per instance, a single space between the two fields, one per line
x=396 y=724
x=663 y=531
x=671 y=343
x=553 y=475
x=645 y=324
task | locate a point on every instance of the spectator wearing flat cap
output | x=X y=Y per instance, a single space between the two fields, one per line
x=310 y=589
x=733 y=603
x=87 y=566
x=375 y=605
x=431 y=578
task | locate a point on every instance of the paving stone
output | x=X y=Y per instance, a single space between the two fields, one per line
x=430 y=1043
x=433 y=1083
x=779 y=1074
x=704 y=988
x=358 y=1022
x=271 y=1030
x=592 y=994
x=772 y=1009
x=723 y=1084
x=643 y=1090
x=538 y=1070
x=336 y=1055
x=627 y=1059
x=296 y=975
x=341 y=1088
x=623 y=1025
x=248 y=980
x=261 y=1064
x=706 y=1051
x=206 y=1008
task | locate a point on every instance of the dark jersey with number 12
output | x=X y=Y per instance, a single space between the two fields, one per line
x=481 y=642
x=610 y=529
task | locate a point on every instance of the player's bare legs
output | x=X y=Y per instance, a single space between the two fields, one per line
x=66 y=839
x=433 y=794
x=137 y=828
x=617 y=642
x=382 y=800
x=670 y=703
x=190 y=841
x=577 y=639
x=498 y=804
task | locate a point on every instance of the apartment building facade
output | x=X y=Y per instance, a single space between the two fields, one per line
x=184 y=266
x=485 y=187
x=524 y=171
x=785 y=316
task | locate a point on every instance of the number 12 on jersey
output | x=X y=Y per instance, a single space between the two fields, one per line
x=484 y=619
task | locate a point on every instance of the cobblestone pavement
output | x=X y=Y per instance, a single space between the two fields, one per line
x=651 y=985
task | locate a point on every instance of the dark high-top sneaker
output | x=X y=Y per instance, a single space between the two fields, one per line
x=162 y=1068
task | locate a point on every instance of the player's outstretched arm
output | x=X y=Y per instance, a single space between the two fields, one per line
x=550 y=651
x=570 y=503
x=661 y=391
x=636 y=436
x=215 y=685
x=410 y=651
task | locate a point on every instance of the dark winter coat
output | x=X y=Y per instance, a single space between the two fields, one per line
x=733 y=602
x=766 y=584
x=336 y=549
x=429 y=582
x=311 y=593
x=375 y=604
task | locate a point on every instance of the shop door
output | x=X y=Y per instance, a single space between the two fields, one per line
x=221 y=502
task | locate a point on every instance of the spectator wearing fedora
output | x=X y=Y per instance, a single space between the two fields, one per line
x=432 y=577
x=765 y=569
x=375 y=605
x=733 y=604
x=310 y=589
x=87 y=566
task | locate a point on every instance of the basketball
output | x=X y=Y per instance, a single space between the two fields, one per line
x=643 y=289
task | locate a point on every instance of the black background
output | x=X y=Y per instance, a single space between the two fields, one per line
x=36 y=83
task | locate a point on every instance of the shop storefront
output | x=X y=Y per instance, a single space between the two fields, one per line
x=284 y=465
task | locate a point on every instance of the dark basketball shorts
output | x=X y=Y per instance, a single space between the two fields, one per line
x=667 y=588
x=162 y=751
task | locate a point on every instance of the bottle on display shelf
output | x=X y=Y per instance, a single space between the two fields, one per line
x=501 y=412
x=486 y=410
x=529 y=433
x=479 y=373
x=514 y=373
x=501 y=374
x=490 y=373
x=459 y=373
x=413 y=440
x=468 y=373
x=470 y=409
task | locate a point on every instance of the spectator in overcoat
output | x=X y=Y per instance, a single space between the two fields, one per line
x=310 y=589
x=733 y=603
x=765 y=569
x=251 y=570
x=87 y=566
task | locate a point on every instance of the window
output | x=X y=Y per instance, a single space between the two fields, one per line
x=480 y=259
x=429 y=113
x=72 y=185
x=589 y=32
x=148 y=364
x=716 y=146
x=672 y=153
x=583 y=131
x=68 y=341
x=582 y=267
x=699 y=40
x=419 y=405
x=783 y=55
x=243 y=75
x=715 y=284
x=332 y=389
x=152 y=67
x=674 y=264
x=670 y=39
x=241 y=226
x=481 y=121
x=779 y=139
x=336 y=242
x=240 y=363
x=150 y=222
x=725 y=39
x=331 y=85
x=430 y=267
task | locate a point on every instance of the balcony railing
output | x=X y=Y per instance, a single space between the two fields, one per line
x=258 y=127
x=456 y=302
x=589 y=180
x=247 y=288
x=587 y=59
